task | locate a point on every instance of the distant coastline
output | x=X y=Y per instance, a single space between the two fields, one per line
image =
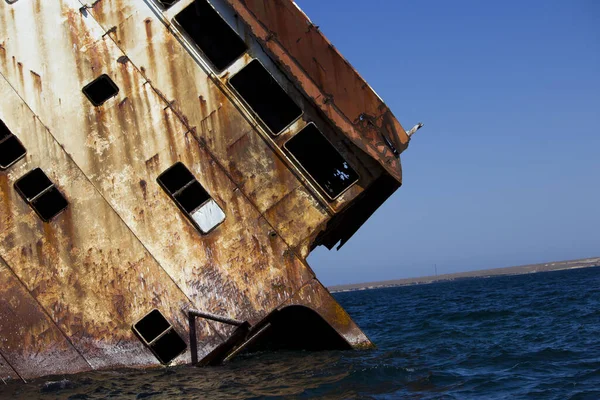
x=518 y=270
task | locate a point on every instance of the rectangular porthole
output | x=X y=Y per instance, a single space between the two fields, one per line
x=168 y=346
x=41 y=194
x=265 y=97
x=159 y=335
x=11 y=148
x=213 y=36
x=100 y=90
x=191 y=197
x=322 y=161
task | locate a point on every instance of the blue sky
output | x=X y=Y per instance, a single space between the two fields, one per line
x=506 y=170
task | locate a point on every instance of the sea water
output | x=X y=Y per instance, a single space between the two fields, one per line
x=528 y=336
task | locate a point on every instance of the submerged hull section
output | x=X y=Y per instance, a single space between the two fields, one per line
x=169 y=188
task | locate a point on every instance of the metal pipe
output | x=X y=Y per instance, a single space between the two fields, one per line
x=193 y=340
x=247 y=342
x=213 y=317
x=414 y=129
x=192 y=314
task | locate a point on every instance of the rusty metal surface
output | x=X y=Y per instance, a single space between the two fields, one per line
x=326 y=77
x=29 y=339
x=315 y=296
x=123 y=165
x=254 y=159
x=85 y=268
x=123 y=247
x=232 y=140
x=295 y=230
x=6 y=372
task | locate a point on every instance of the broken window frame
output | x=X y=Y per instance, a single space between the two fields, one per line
x=164 y=333
x=252 y=111
x=182 y=208
x=111 y=83
x=10 y=136
x=194 y=45
x=31 y=201
x=312 y=178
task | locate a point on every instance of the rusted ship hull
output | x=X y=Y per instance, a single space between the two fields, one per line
x=105 y=98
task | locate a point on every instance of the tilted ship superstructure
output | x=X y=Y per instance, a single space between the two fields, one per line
x=165 y=169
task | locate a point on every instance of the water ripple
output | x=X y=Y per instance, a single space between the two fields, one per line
x=533 y=336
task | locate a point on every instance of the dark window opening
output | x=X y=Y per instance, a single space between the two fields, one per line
x=49 y=204
x=215 y=38
x=175 y=178
x=166 y=4
x=152 y=325
x=322 y=161
x=265 y=97
x=41 y=194
x=168 y=346
x=33 y=184
x=100 y=90
x=191 y=197
x=159 y=335
x=11 y=148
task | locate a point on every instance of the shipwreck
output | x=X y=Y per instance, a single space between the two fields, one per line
x=166 y=167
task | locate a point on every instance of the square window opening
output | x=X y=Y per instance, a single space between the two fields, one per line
x=33 y=184
x=158 y=334
x=11 y=149
x=100 y=90
x=322 y=161
x=41 y=194
x=265 y=97
x=211 y=33
x=151 y=326
x=168 y=347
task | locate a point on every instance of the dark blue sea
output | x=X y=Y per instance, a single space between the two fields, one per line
x=533 y=336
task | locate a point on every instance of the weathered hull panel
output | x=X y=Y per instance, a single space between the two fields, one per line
x=326 y=77
x=6 y=371
x=71 y=288
x=28 y=337
x=85 y=269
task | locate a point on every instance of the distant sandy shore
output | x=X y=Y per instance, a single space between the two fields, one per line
x=519 y=270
